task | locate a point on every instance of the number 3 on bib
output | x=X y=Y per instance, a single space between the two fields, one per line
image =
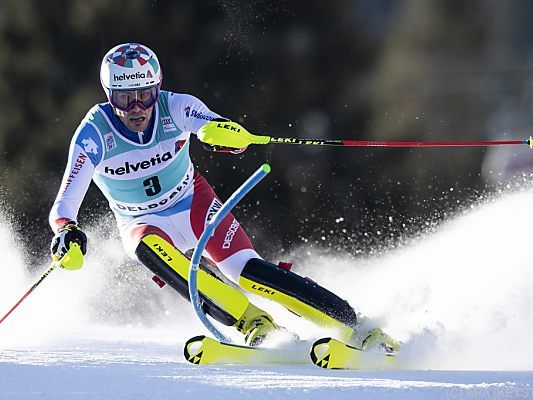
x=152 y=186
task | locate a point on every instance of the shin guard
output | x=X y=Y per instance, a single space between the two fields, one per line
x=299 y=295
x=223 y=302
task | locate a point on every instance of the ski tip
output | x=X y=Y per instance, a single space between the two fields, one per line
x=317 y=351
x=331 y=353
x=192 y=349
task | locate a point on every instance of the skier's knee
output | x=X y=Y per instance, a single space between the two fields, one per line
x=137 y=233
x=232 y=266
x=133 y=237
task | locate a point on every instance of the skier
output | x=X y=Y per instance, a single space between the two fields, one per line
x=135 y=147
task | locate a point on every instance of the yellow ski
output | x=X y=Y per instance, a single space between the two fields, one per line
x=326 y=353
x=203 y=350
x=333 y=354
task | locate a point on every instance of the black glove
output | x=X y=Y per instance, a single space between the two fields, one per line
x=65 y=236
x=223 y=149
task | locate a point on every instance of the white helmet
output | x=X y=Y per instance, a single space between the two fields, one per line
x=130 y=66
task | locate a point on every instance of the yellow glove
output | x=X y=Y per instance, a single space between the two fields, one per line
x=73 y=259
x=229 y=134
x=69 y=246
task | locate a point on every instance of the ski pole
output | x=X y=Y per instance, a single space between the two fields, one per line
x=72 y=260
x=231 y=134
x=237 y=196
x=366 y=143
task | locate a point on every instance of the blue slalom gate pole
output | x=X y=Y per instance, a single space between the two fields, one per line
x=237 y=196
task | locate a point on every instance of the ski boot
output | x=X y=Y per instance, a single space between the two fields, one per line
x=256 y=325
x=373 y=339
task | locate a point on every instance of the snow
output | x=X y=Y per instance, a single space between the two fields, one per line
x=111 y=370
x=459 y=299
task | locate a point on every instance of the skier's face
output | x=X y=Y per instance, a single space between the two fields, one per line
x=136 y=119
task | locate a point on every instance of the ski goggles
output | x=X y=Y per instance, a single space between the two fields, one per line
x=125 y=100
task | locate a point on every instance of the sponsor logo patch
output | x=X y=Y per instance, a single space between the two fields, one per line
x=76 y=168
x=90 y=146
x=212 y=210
x=128 y=168
x=162 y=251
x=168 y=125
x=109 y=140
x=263 y=289
x=196 y=114
x=124 y=76
x=230 y=234
x=178 y=145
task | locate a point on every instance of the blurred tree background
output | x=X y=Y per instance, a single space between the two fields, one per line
x=352 y=69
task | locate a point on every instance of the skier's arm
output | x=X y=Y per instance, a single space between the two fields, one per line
x=193 y=115
x=84 y=154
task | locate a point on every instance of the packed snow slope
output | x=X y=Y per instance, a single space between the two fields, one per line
x=460 y=299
